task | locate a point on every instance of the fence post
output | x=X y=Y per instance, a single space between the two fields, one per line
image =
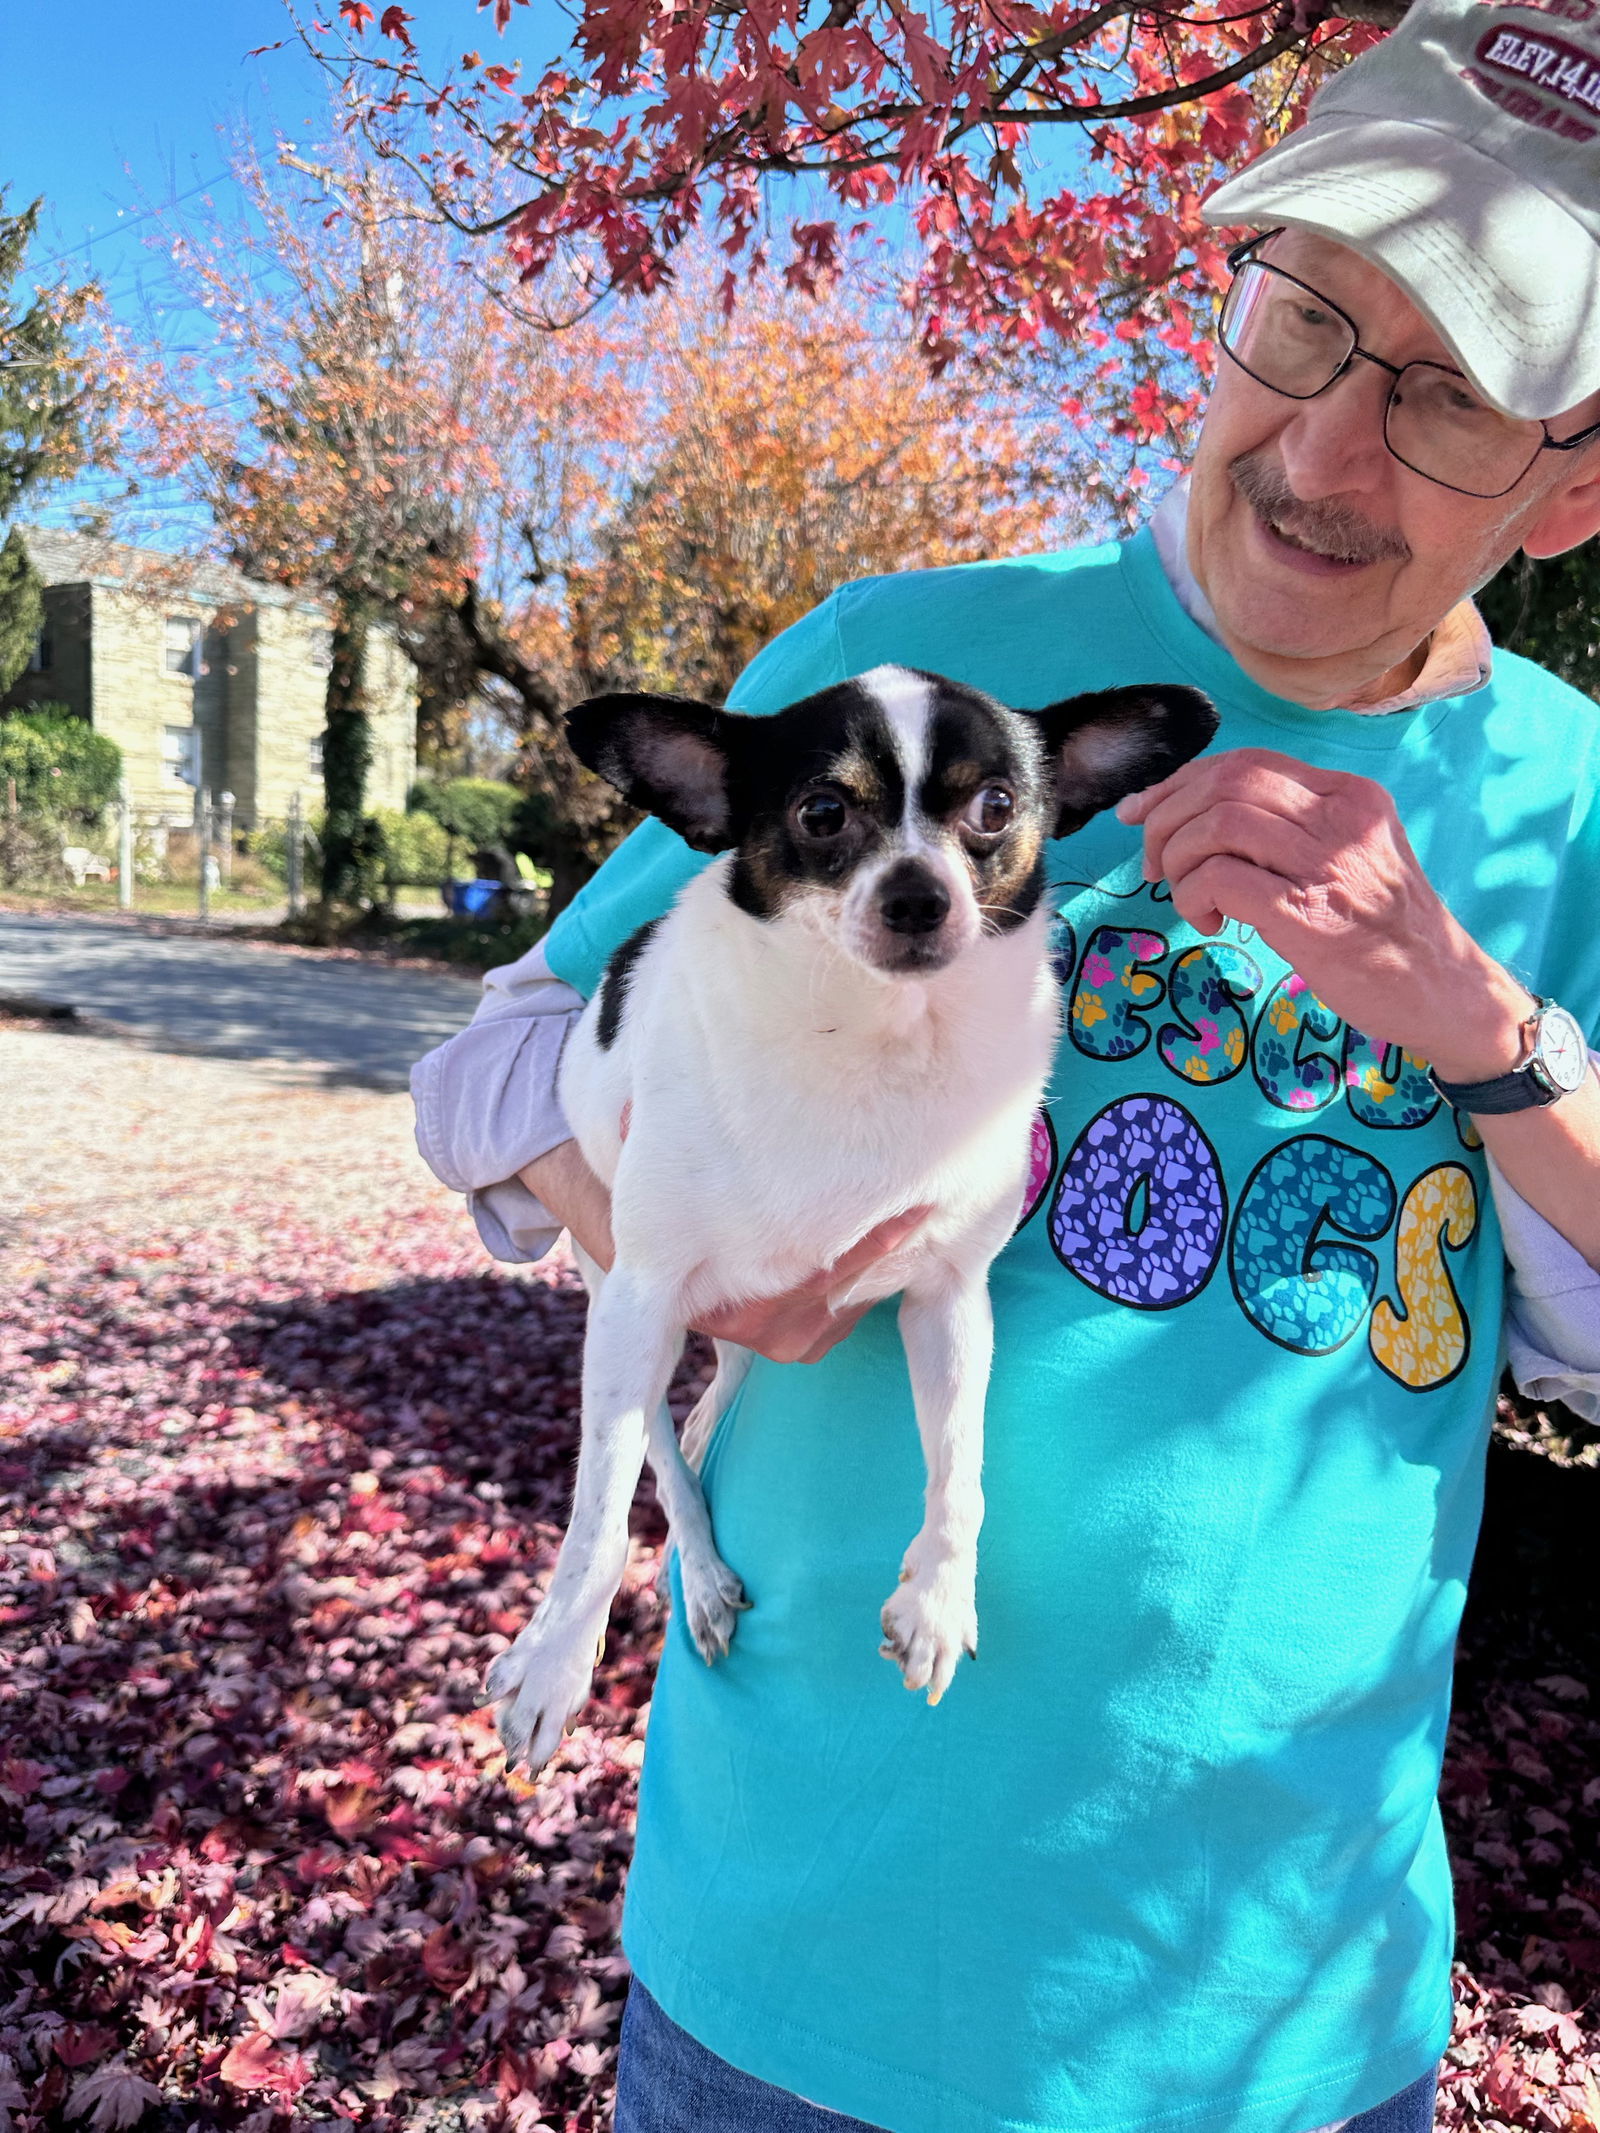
x=295 y=897
x=204 y=842
x=124 y=848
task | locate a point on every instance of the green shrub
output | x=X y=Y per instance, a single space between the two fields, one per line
x=416 y=849
x=62 y=767
x=477 y=810
x=395 y=851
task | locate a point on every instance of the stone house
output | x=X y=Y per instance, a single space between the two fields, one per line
x=200 y=673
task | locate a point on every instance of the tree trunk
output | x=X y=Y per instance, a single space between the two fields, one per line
x=570 y=867
x=346 y=754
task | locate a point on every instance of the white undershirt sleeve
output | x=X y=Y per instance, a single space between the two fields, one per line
x=486 y=1103
x=1552 y=1321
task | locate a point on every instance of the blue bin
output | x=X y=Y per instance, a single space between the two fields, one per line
x=465 y=899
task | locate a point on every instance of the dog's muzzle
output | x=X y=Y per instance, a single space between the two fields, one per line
x=912 y=899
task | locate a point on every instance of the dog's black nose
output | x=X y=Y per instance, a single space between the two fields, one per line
x=912 y=900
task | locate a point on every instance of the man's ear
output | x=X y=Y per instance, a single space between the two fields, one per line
x=666 y=754
x=1570 y=515
x=1112 y=742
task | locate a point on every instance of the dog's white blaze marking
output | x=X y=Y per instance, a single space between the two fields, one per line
x=906 y=702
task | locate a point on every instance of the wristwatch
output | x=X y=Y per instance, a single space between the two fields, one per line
x=1555 y=1059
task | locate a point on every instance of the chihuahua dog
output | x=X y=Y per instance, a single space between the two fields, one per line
x=847 y=1016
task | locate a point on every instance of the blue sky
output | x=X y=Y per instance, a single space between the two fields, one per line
x=110 y=106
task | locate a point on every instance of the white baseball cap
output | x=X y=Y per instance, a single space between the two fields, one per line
x=1462 y=157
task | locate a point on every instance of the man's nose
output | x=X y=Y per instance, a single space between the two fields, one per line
x=1334 y=444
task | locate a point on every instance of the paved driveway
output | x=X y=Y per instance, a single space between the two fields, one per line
x=328 y=1020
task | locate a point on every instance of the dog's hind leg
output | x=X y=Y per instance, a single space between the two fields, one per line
x=931 y=1617
x=543 y=1680
x=712 y=1596
x=733 y=1364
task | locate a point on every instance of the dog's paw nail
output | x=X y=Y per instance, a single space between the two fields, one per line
x=933 y=1696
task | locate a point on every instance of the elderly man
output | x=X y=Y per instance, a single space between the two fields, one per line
x=1169 y=1856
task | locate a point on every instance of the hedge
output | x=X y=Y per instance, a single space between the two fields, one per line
x=62 y=767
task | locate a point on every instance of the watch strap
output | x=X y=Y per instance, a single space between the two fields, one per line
x=1523 y=1089
x=1526 y=1087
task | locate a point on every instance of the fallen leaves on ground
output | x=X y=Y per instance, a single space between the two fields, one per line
x=263 y=1533
x=272 y=1494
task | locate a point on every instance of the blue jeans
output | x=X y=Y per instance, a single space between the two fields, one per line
x=667 y=2083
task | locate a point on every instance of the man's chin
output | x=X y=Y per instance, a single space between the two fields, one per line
x=1285 y=604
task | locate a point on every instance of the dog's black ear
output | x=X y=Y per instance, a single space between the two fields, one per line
x=1111 y=742
x=666 y=754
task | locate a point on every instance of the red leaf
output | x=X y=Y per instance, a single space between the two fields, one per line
x=393 y=24
x=446 y=1961
x=255 y=2062
x=357 y=13
x=502 y=77
x=77 y=2046
x=350 y=1809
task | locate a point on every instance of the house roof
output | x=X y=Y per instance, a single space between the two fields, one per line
x=63 y=557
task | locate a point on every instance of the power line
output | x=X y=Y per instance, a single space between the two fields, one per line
x=128 y=222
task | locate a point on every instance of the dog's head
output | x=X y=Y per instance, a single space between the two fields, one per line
x=901 y=814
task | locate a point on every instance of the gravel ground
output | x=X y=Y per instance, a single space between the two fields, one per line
x=104 y=1138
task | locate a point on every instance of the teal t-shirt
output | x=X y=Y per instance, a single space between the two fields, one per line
x=1167 y=1855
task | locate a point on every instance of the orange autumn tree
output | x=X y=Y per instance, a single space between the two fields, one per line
x=642 y=499
x=366 y=423
x=798 y=444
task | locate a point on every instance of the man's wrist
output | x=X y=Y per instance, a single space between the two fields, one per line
x=1487 y=1031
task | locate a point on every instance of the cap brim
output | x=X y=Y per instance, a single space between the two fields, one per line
x=1508 y=279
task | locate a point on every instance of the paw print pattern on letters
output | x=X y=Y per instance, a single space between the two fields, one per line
x=1304 y=1294
x=1425 y=1341
x=1140 y=1212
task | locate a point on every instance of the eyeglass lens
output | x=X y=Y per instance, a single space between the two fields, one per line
x=1287 y=339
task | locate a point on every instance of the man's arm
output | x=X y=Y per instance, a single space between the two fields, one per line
x=1318 y=862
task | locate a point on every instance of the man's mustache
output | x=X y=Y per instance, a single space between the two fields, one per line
x=1332 y=528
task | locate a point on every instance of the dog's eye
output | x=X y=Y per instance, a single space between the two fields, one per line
x=821 y=814
x=990 y=811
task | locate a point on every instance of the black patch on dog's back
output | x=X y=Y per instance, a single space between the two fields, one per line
x=614 y=985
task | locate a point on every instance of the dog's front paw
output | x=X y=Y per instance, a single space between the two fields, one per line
x=541 y=1684
x=929 y=1620
x=713 y=1600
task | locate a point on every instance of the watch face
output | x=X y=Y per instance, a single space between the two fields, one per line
x=1562 y=1049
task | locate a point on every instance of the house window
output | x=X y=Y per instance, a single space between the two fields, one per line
x=314 y=755
x=182 y=645
x=321 y=648
x=180 y=755
x=43 y=656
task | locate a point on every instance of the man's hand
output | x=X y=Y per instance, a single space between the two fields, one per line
x=799 y=1327
x=795 y=1328
x=1318 y=863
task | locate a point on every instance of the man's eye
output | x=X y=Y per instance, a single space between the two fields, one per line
x=821 y=815
x=990 y=811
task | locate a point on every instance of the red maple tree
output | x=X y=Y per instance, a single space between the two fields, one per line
x=661 y=116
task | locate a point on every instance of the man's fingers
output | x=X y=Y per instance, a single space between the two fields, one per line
x=1226 y=887
x=839 y=1324
x=877 y=1244
x=1256 y=773
x=1242 y=831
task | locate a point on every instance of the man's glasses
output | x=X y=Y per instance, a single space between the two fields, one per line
x=1288 y=337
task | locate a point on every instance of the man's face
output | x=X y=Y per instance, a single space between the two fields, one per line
x=1309 y=538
